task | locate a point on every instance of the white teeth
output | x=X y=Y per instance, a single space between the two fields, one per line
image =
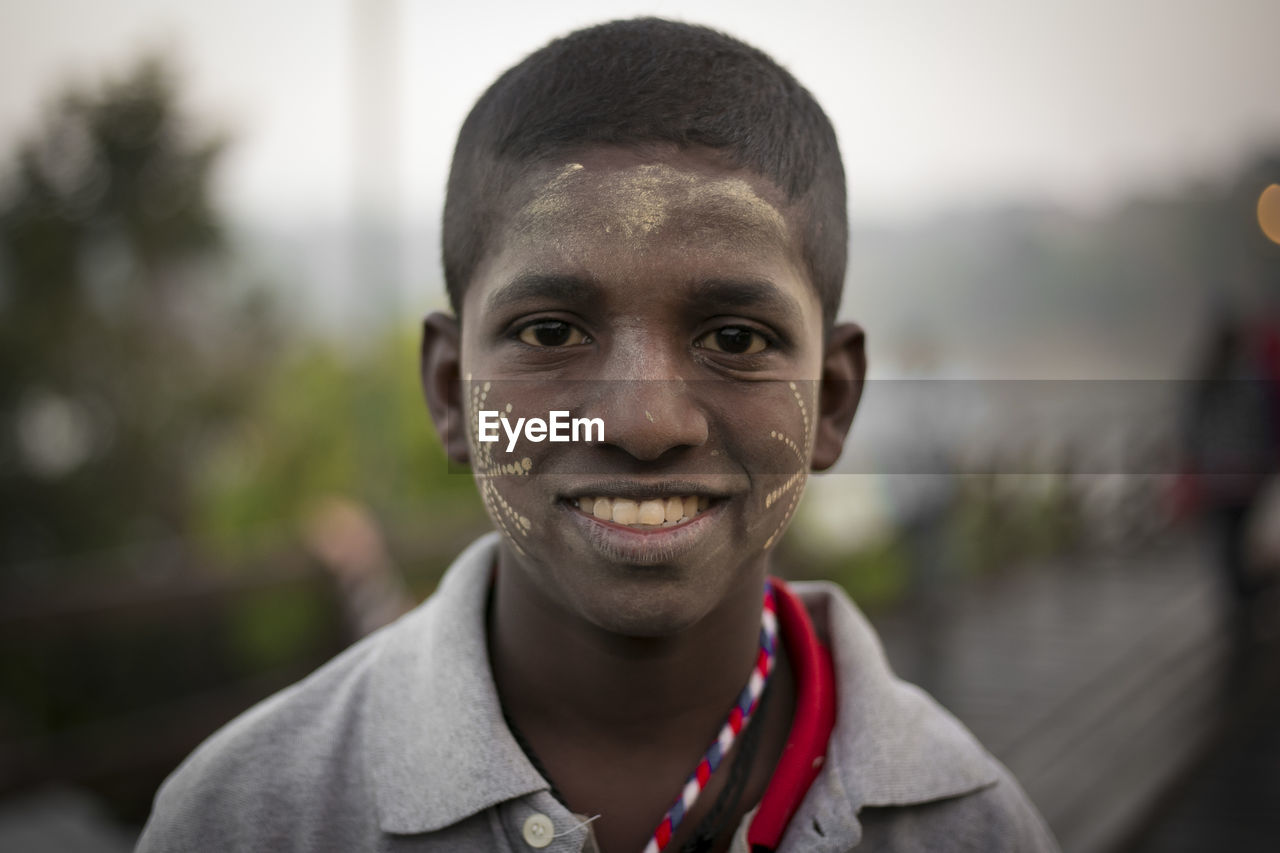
x=650 y=512
x=625 y=511
x=673 y=510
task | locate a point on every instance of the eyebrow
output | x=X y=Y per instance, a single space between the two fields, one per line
x=708 y=293
x=759 y=294
x=561 y=288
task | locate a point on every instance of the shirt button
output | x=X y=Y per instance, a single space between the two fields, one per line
x=538 y=829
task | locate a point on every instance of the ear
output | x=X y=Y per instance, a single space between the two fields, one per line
x=441 y=373
x=844 y=367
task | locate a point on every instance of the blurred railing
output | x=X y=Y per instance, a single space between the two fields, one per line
x=107 y=685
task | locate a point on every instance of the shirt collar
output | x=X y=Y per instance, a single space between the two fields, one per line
x=892 y=745
x=435 y=724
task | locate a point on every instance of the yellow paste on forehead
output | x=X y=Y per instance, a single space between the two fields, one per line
x=641 y=200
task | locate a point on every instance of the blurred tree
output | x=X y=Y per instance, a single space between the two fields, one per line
x=126 y=346
x=328 y=422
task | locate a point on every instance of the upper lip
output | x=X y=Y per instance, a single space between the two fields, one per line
x=640 y=490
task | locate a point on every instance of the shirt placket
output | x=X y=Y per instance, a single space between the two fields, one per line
x=540 y=824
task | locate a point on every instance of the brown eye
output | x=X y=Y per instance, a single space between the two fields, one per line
x=552 y=333
x=734 y=340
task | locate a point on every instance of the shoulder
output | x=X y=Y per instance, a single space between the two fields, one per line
x=289 y=761
x=902 y=772
x=993 y=819
x=376 y=741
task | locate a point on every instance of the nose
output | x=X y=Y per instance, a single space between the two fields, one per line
x=647 y=407
x=647 y=418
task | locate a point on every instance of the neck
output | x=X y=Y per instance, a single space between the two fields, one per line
x=618 y=722
x=556 y=672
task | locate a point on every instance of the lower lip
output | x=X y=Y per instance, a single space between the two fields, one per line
x=644 y=546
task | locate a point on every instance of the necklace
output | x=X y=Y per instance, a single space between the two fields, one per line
x=726 y=804
x=739 y=715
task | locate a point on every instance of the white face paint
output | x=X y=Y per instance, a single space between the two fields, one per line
x=637 y=204
x=642 y=259
x=792 y=488
x=489 y=471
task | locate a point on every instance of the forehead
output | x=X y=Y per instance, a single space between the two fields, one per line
x=615 y=215
x=619 y=192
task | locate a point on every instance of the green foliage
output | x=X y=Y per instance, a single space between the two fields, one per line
x=1002 y=520
x=276 y=627
x=875 y=573
x=329 y=422
x=125 y=346
x=874 y=576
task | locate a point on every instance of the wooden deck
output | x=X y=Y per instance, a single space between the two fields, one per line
x=1100 y=682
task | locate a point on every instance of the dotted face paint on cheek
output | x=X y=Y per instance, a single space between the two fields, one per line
x=487 y=470
x=793 y=487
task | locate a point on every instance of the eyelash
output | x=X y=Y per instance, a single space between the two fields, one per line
x=518 y=333
x=770 y=342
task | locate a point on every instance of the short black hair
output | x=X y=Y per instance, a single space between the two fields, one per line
x=643 y=81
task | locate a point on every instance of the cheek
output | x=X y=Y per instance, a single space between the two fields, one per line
x=500 y=474
x=785 y=438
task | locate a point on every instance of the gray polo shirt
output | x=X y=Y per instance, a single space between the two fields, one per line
x=398 y=744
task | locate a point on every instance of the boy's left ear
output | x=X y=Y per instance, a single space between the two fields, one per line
x=440 y=368
x=844 y=367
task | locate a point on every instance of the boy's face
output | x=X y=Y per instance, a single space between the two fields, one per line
x=664 y=295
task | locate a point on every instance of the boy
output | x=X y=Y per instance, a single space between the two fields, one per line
x=646 y=228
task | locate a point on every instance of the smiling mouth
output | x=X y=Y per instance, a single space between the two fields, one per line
x=643 y=514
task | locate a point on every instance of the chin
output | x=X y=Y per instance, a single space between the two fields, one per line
x=644 y=611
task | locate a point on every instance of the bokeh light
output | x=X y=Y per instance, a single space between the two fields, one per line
x=1269 y=212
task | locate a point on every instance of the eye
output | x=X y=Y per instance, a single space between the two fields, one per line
x=552 y=333
x=735 y=340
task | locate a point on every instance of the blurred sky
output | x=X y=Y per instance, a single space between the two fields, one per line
x=938 y=104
